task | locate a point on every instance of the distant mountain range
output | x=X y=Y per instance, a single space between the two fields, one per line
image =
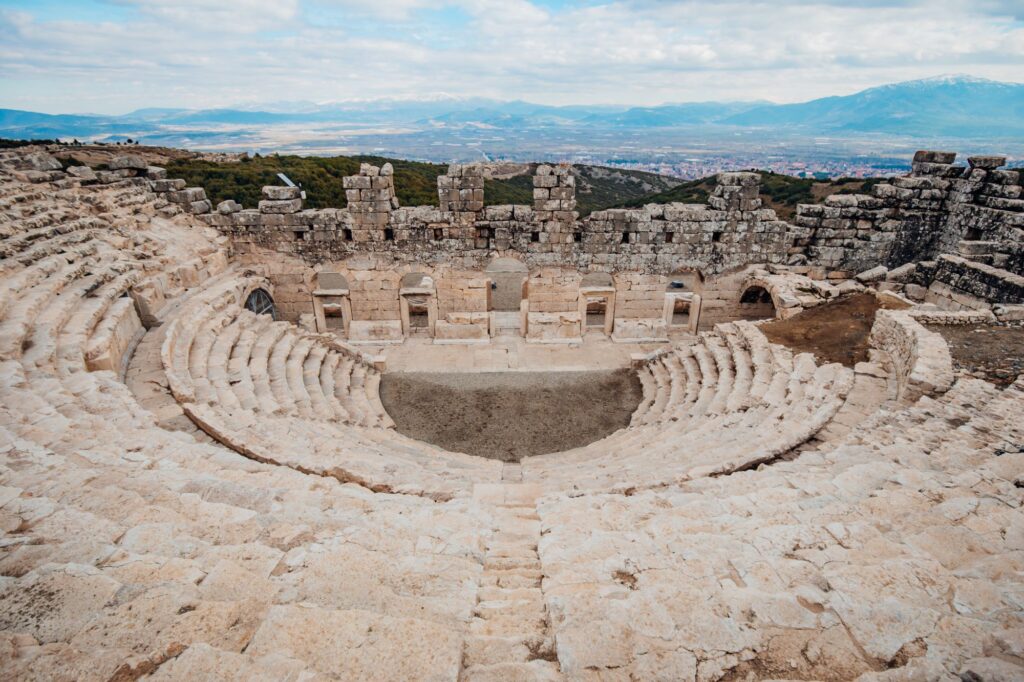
x=949 y=106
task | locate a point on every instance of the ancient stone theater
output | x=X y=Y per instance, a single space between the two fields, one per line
x=500 y=442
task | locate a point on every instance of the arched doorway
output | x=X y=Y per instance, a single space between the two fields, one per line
x=756 y=303
x=507 y=291
x=260 y=302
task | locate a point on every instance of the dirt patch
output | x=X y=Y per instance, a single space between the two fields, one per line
x=992 y=352
x=510 y=415
x=835 y=332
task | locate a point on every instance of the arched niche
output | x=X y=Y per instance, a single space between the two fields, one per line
x=756 y=303
x=261 y=302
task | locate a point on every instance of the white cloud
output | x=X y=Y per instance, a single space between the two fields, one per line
x=200 y=53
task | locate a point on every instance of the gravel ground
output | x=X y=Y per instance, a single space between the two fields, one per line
x=993 y=352
x=510 y=415
x=836 y=331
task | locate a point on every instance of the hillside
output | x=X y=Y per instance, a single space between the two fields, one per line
x=415 y=182
x=779 y=192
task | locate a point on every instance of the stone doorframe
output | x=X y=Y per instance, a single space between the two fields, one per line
x=606 y=293
x=431 y=296
x=331 y=299
x=670 y=304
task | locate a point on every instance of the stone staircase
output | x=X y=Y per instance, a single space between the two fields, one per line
x=510 y=637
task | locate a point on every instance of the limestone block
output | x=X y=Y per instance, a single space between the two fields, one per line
x=285 y=206
x=934 y=157
x=276 y=193
x=228 y=207
x=875 y=274
x=41 y=161
x=83 y=173
x=168 y=185
x=128 y=161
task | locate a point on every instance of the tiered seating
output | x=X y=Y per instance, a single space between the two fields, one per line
x=883 y=558
x=132 y=551
x=728 y=402
x=282 y=396
x=888 y=550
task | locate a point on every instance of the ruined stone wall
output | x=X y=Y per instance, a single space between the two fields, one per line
x=976 y=210
x=730 y=232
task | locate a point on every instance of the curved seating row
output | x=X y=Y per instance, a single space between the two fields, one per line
x=280 y=395
x=131 y=551
x=728 y=402
x=885 y=557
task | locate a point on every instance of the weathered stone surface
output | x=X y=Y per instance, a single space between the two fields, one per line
x=128 y=162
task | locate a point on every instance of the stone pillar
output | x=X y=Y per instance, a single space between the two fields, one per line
x=935 y=164
x=461 y=189
x=736 y=192
x=371 y=196
x=554 y=194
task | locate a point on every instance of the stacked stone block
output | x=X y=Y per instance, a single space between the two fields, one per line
x=736 y=192
x=371 y=199
x=461 y=189
x=639 y=295
x=931 y=211
x=554 y=194
x=279 y=200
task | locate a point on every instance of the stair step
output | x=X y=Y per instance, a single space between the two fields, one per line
x=532 y=671
x=507 y=626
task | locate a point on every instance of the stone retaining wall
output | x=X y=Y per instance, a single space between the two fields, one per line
x=921 y=361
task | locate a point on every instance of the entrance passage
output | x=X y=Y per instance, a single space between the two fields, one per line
x=510 y=415
x=507 y=277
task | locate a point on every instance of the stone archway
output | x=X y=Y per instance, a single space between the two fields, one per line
x=757 y=303
x=261 y=302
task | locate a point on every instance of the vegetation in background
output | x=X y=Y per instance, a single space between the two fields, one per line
x=320 y=177
x=515 y=190
x=415 y=182
x=14 y=144
x=689 y=192
x=779 y=192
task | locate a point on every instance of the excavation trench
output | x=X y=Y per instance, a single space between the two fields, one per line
x=510 y=415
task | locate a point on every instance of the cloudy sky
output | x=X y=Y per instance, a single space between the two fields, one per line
x=113 y=56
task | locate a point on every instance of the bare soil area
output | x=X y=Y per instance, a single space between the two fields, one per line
x=510 y=415
x=991 y=352
x=835 y=332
